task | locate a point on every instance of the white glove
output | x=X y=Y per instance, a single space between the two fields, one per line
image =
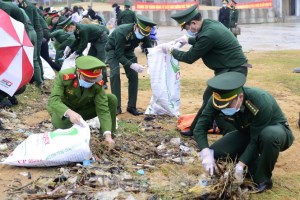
x=73 y=55
x=137 y=67
x=183 y=40
x=239 y=173
x=67 y=51
x=208 y=161
x=166 y=47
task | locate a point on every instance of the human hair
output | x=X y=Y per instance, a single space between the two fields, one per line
x=75 y=9
x=126 y=6
x=197 y=17
x=115 y=5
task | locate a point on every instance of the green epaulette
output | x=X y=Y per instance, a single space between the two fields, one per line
x=128 y=36
x=253 y=109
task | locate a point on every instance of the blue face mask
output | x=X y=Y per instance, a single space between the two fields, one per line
x=231 y=111
x=138 y=35
x=85 y=84
x=191 y=34
x=224 y=5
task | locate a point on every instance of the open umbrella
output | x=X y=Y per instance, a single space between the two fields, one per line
x=16 y=55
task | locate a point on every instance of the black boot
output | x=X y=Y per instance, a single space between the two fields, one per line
x=5 y=103
x=265 y=185
x=13 y=100
x=119 y=110
x=134 y=111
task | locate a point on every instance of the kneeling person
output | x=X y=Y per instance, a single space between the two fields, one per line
x=262 y=130
x=77 y=93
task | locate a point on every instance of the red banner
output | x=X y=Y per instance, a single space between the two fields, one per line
x=163 y=6
x=260 y=4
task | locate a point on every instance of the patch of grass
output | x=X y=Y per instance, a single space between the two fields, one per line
x=277 y=69
x=144 y=84
x=127 y=127
x=192 y=86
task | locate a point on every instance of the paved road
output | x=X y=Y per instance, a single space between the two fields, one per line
x=254 y=37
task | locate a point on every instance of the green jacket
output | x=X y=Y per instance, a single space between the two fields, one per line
x=217 y=47
x=62 y=38
x=258 y=111
x=234 y=17
x=33 y=15
x=86 y=33
x=123 y=41
x=65 y=95
x=126 y=17
x=13 y=11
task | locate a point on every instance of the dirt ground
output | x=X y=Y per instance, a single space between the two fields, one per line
x=167 y=179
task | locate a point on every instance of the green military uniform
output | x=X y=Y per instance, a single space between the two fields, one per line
x=62 y=40
x=262 y=129
x=215 y=44
x=33 y=15
x=120 y=49
x=127 y=16
x=234 y=17
x=88 y=102
x=57 y=25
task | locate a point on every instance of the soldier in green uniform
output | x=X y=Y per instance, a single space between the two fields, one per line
x=33 y=16
x=127 y=16
x=211 y=41
x=77 y=94
x=62 y=40
x=55 y=21
x=262 y=130
x=95 y=34
x=120 y=49
x=234 y=16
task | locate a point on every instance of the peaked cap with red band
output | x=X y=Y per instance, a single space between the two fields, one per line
x=89 y=66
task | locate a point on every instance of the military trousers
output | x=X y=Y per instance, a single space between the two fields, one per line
x=39 y=35
x=37 y=75
x=271 y=140
x=97 y=49
x=208 y=93
x=115 y=80
x=88 y=114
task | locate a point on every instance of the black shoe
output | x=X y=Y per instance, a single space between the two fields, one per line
x=119 y=110
x=13 y=100
x=187 y=133
x=5 y=103
x=134 y=111
x=265 y=185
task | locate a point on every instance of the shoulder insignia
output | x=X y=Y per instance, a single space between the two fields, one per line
x=75 y=83
x=69 y=77
x=70 y=92
x=101 y=83
x=128 y=36
x=253 y=109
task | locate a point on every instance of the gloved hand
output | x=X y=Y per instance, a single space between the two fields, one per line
x=67 y=51
x=208 y=161
x=239 y=173
x=137 y=67
x=73 y=55
x=166 y=48
x=75 y=118
x=183 y=40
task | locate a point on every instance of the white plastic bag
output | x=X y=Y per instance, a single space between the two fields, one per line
x=59 y=147
x=48 y=71
x=68 y=63
x=164 y=73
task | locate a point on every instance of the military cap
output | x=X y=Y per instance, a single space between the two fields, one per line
x=90 y=67
x=226 y=87
x=53 y=13
x=145 y=24
x=185 y=16
x=127 y=3
x=233 y=1
x=225 y=1
x=66 y=23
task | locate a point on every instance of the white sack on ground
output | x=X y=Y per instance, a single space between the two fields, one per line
x=164 y=73
x=48 y=71
x=59 y=147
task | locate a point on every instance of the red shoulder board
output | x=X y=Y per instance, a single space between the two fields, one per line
x=69 y=77
x=75 y=83
x=101 y=83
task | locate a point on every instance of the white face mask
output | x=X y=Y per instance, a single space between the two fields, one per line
x=85 y=84
x=138 y=35
x=224 y=5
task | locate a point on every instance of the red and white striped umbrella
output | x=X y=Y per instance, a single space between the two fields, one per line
x=16 y=55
